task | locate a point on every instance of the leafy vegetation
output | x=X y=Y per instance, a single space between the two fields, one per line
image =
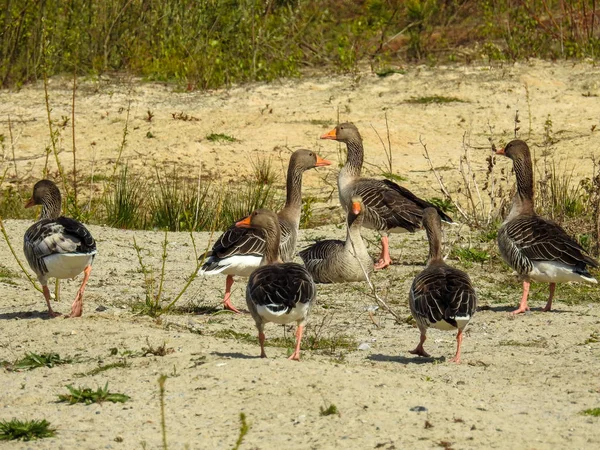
x=25 y=430
x=89 y=396
x=330 y=410
x=594 y=412
x=32 y=361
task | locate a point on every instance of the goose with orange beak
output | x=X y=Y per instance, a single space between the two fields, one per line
x=239 y=251
x=335 y=261
x=388 y=207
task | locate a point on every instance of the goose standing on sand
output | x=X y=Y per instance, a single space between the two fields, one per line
x=388 y=207
x=441 y=296
x=538 y=249
x=277 y=292
x=334 y=261
x=57 y=246
x=239 y=251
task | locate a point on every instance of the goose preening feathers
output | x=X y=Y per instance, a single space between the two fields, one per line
x=239 y=251
x=57 y=246
x=277 y=292
x=388 y=206
x=335 y=261
x=441 y=296
x=536 y=248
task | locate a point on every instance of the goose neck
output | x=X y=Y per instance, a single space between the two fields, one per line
x=51 y=208
x=354 y=162
x=272 y=238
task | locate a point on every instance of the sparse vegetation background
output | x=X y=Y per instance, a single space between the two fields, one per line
x=212 y=43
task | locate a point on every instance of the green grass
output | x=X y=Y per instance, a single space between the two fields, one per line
x=220 y=137
x=533 y=343
x=433 y=99
x=329 y=411
x=445 y=204
x=25 y=430
x=594 y=412
x=89 y=396
x=104 y=368
x=32 y=361
x=470 y=255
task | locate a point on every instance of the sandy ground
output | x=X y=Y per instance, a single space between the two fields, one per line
x=522 y=384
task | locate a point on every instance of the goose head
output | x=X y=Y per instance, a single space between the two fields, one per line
x=262 y=219
x=305 y=159
x=344 y=132
x=517 y=150
x=47 y=194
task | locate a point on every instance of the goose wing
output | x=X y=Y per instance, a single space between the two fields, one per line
x=321 y=250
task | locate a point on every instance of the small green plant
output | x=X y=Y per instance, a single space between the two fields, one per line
x=89 y=396
x=533 y=343
x=220 y=137
x=124 y=203
x=437 y=99
x=244 y=428
x=32 y=361
x=160 y=350
x=329 y=411
x=595 y=412
x=470 y=254
x=593 y=339
x=25 y=430
x=104 y=368
x=445 y=204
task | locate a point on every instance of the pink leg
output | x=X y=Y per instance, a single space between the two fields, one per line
x=548 y=306
x=227 y=300
x=384 y=258
x=459 y=337
x=261 y=340
x=419 y=350
x=523 y=305
x=47 y=297
x=77 y=306
x=296 y=355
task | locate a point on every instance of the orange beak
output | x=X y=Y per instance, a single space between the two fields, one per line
x=30 y=203
x=500 y=151
x=331 y=135
x=322 y=162
x=244 y=223
x=355 y=208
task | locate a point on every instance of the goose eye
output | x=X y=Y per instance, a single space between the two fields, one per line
x=311 y=154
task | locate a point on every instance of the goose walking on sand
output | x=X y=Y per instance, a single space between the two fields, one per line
x=57 y=246
x=277 y=292
x=441 y=296
x=536 y=248
x=388 y=206
x=335 y=261
x=239 y=251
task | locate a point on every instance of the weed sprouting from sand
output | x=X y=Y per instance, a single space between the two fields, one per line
x=159 y=350
x=533 y=343
x=25 y=430
x=329 y=411
x=104 y=368
x=32 y=361
x=89 y=396
x=470 y=254
x=593 y=339
x=437 y=99
x=220 y=137
x=244 y=428
x=163 y=423
x=594 y=412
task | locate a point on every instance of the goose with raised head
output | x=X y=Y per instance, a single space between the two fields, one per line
x=388 y=206
x=441 y=296
x=279 y=292
x=239 y=251
x=537 y=248
x=57 y=246
x=335 y=261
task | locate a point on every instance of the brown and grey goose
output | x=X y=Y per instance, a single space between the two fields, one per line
x=536 y=248
x=441 y=296
x=279 y=292
x=388 y=206
x=335 y=261
x=57 y=246
x=239 y=251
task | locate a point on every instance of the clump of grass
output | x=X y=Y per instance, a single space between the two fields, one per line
x=593 y=339
x=437 y=99
x=244 y=428
x=89 y=396
x=124 y=203
x=32 y=361
x=263 y=170
x=104 y=368
x=220 y=137
x=25 y=430
x=594 y=412
x=184 y=116
x=329 y=411
x=445 y=204
x=160 y=350
x=533 y=343
x=7 y=275
x=470 y=255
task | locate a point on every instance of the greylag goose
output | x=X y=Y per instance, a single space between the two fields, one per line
x=441 y=296
x=239 y=251
x=277 y=292
x=334 y=261
x=536 y=248
x=57 y=246
x=388 y=207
